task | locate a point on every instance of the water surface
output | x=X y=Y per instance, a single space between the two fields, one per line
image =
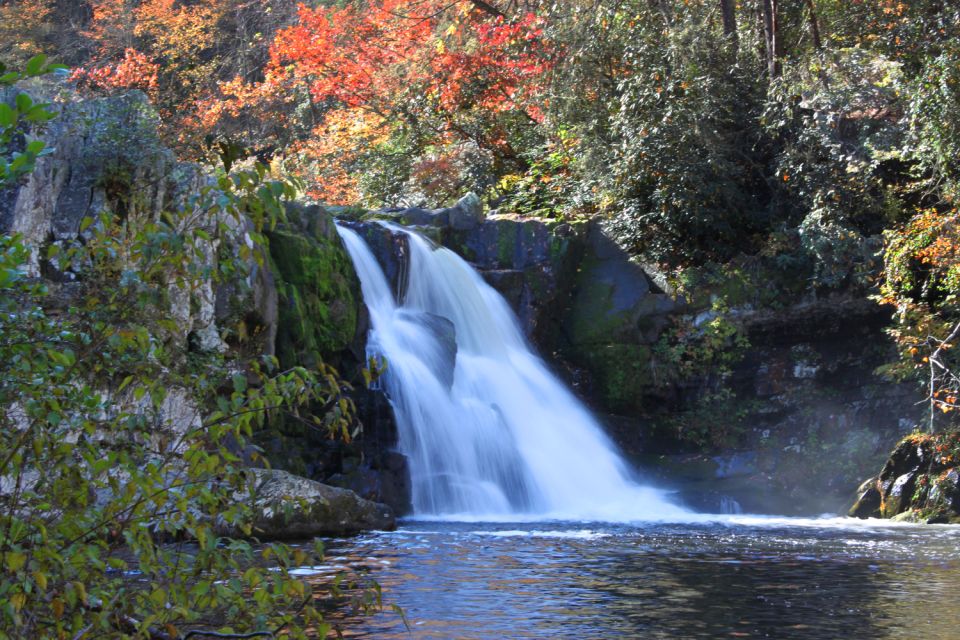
x=739 y=578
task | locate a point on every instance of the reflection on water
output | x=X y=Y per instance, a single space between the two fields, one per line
x=705 y=580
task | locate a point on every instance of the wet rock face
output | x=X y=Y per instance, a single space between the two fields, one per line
x=390 y=248
x=530 y=262
x=920 y=482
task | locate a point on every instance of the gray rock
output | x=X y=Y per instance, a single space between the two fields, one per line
x=868 y=501
x=443 y=361
x=467 y=213
x=289 y=507
x=899 y=497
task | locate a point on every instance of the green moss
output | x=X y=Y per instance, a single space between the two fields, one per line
x=593 y=317
x=621 y=373
x=506 y=243
x=319 y=295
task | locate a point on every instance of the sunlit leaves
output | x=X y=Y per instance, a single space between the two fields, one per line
x=116 y=444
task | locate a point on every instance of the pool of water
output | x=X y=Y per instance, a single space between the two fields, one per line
x=734 y=577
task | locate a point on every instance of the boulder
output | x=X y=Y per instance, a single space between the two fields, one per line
x=443 y=335
x=868 y=501
x=919 y=483
x=288 y=507
x=466 y=214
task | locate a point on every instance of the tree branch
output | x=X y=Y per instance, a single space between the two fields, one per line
x=488 y=8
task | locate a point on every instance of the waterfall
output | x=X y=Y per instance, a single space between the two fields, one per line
x=488 y=431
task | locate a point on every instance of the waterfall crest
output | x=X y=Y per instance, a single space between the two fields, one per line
x=489 y=432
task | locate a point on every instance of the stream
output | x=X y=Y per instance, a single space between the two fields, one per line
x=736 y=577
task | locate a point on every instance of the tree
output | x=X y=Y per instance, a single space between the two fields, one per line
x=120 y=452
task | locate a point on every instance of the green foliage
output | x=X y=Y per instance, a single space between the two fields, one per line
x=121 y=459
x=686 y=176
x=922 y=281
x=710 y=344
x=934 y=112
x=19 y=153
x=699 y=354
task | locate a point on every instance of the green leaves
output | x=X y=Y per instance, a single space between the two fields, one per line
x=36 y=65
x=118 y=436
x=15 y=120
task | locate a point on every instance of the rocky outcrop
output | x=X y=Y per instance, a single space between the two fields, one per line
x=106 y=159
x=105 y=156
x=616 y=314
x=530 y=262
x=287 y=507
x=919 y=483
x=302 y=301
x=319 y=293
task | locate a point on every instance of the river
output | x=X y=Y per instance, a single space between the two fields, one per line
x=736 y=577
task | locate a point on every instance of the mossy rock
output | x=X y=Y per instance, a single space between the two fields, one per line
x=620 y=373
x=318 y=288
x=921 y=480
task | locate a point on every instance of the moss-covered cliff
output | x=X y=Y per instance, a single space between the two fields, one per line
x=320 y=300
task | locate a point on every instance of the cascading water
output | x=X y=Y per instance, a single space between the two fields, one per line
x=489 y=432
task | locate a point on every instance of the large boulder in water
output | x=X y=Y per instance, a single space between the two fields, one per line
x=920 y=482
x=288 y=507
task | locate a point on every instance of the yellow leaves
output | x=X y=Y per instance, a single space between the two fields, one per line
x=14 y=560
x=40 y=578
x=333 y=146
x=18 y=600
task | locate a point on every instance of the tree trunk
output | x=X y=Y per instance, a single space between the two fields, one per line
x=728 y=10
x=771 y=37
x=814 y=26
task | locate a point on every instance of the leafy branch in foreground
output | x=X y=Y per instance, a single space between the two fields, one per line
x=122 y=451
x=18 y=153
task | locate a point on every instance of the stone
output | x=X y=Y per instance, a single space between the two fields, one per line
x=319 y=294
x=466 y=214
x=898 y=497
x=288 y=507
x=444 y=335
x=868 y=501
x=610 y=296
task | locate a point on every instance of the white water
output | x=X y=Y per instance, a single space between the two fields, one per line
x=506 y=439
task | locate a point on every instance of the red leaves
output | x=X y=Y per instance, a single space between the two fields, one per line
x=379 y=57
x=357 y=57
x=506 y=70
x=133 y=71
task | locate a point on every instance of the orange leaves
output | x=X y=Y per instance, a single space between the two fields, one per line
x=133 y=71
x=325 y=161
x=392 y=54
x=23 y=24
x=178 y=30
x=357 y=56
